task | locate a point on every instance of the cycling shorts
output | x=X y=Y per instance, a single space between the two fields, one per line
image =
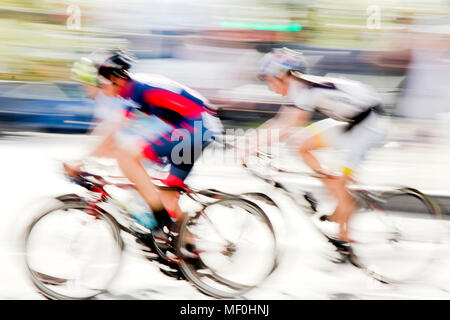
x=355 y=142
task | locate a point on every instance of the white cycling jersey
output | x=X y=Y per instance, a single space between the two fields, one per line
x=339 y=99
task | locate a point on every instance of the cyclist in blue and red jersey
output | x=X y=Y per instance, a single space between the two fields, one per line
x=164 y=121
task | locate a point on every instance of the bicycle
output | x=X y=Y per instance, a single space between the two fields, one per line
x=73 y=249
x=398 y=232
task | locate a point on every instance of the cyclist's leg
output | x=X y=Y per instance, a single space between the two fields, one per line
x=173 y=216
x=358 y=142
x=327 y=134
x=345 y=208
x=181 y=163
x=131 y=166
x=147 y=138
x=321 y=134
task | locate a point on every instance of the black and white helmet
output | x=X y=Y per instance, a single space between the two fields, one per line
x=88 y=69
x=116 y=64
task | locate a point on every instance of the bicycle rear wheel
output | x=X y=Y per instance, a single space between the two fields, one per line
x=236 y=244
x=399 y=236
x=71 y=254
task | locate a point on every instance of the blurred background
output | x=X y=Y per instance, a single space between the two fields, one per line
x=399 y=47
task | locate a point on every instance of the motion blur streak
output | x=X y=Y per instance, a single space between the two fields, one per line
x=401 y=48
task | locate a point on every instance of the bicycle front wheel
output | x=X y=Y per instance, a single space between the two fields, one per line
x=236 y=244
x=71 y=254
x=399 y=235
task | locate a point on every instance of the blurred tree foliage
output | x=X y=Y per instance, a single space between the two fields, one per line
x=40 y=38
x=352 y=24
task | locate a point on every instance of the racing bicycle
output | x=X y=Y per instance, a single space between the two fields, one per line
x=399 y=232
x=73 y=248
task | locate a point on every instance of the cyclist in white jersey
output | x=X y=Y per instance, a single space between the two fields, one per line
x=353 y=122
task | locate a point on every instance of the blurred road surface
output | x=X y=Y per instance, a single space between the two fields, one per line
x=30 y=171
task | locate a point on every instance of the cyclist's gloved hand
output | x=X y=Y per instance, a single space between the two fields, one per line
x=74 y=173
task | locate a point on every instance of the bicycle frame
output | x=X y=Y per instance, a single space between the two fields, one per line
x=366 y=198
x=98 y=194
x=96 y=191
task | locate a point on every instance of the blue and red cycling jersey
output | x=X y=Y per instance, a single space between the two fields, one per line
x=166 y=99
x=172 y=107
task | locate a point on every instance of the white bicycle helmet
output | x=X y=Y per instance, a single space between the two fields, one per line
x=281 y=61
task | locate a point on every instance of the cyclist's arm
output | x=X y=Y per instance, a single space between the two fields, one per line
x=107 y=141
x=287 y=118
x=276 y=129
x=107 y=133
x=103 y=150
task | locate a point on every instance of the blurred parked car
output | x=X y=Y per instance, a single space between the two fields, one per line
x=44 y=106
